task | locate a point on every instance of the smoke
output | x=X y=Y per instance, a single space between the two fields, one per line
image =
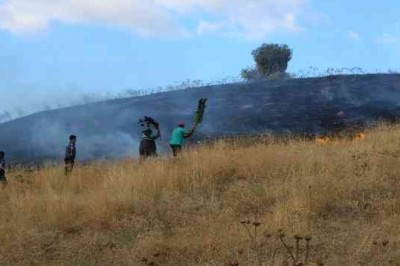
x=48 y=139
x=111 y=145
x=110 y=130
x=18 y=104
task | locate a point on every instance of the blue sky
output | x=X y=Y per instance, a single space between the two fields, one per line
x=54 y=51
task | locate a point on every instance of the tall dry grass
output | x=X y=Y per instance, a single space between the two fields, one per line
x=215 y=205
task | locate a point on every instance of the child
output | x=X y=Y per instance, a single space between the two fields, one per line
x=70 y=155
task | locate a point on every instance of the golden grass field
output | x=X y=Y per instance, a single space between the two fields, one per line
x=220 y=204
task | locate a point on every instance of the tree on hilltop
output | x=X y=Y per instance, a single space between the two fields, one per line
x=271 y=62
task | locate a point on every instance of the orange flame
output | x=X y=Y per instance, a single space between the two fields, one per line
x=359 y=136
x=322 y=140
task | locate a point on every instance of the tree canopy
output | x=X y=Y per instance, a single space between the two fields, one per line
x=271 y=61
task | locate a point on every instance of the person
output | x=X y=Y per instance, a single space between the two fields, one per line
x=178 y=136
x=70 y=155
x=148 y=145
x=3 y=178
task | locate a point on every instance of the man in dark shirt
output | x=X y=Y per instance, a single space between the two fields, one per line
x=3 y=179
x=70 y=155
x=148 y=143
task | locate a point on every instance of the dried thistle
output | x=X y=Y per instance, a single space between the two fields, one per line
x=298 y=237
x=308 y=239
x=256 y=224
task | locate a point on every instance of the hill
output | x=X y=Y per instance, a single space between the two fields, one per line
x=109 y=130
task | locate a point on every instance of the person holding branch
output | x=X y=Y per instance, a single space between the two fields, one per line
x=178 y=136
x=180 y=133
x=148 y=147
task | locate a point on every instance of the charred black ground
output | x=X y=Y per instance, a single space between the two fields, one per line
x=110 y=130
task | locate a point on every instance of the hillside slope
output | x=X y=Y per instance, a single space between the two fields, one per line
x=109 y=129
x=224 y=209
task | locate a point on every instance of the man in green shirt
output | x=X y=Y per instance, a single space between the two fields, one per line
x=178 y=136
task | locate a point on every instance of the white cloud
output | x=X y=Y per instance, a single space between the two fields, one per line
x=253 y=19
x=144 y=17
x=353 y=36
x=205 y=27
x=387 y=39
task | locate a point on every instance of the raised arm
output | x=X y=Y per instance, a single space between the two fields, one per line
x=190 y=132
x=158 y=134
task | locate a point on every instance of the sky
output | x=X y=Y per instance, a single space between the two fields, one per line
x=55 y=51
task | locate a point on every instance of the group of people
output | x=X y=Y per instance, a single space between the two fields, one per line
x=147 y=147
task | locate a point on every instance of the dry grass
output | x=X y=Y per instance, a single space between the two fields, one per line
x=219 y=205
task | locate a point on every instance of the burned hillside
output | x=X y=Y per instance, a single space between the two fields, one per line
x=109 y=129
